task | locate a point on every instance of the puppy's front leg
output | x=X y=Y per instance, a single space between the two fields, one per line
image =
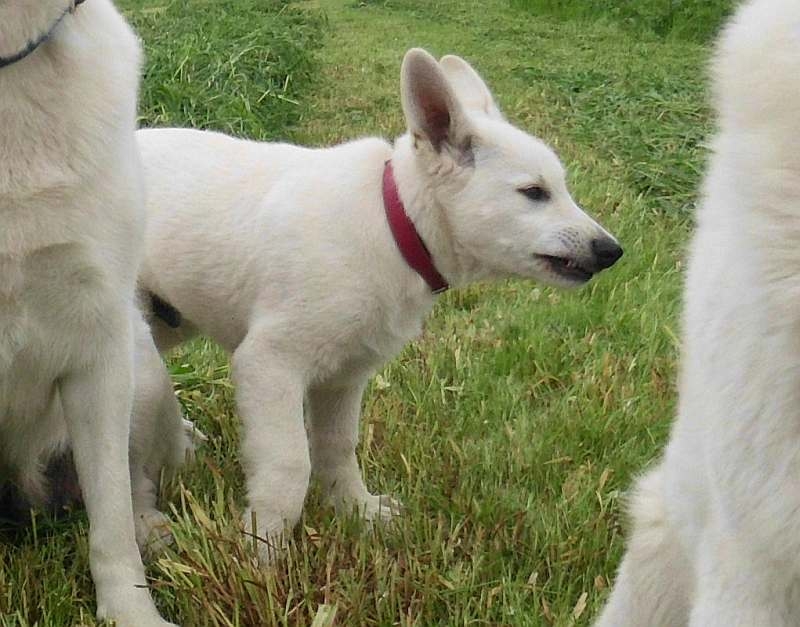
x=97 y=403
x=334 y=419
x=269 y=396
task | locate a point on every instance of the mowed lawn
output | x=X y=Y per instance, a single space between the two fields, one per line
x=511 y=429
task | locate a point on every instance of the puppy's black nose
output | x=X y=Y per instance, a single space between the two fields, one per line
x=606 y=252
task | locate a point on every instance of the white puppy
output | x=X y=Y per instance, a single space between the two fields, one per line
x=71 y=234
x=285 y=256
x=716 y=526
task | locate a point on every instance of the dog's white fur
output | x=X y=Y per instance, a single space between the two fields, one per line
x=283 y=255
x=716 y=526
x=22 y=26
x=71 y=238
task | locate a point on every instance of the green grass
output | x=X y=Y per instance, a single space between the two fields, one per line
x=234 y=70
x=512 y=427
x=696 y=20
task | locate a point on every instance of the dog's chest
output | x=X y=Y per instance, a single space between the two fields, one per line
x=14 y=318
x=51 y=299
x=28 y=389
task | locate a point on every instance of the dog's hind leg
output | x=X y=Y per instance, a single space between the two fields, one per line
x=97 y=404
x=334 y=413
x=654 y=579
x=270 y=387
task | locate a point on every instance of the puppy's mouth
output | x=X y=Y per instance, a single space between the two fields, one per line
x=567 y=268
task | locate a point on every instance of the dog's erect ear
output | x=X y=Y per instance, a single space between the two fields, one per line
x=469 y=87
x=430 y=105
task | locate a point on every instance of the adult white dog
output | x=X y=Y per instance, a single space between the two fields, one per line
x=310 y=267
x=71 y=235
x=716 y=526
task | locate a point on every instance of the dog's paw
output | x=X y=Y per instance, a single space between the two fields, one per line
x=153 y=534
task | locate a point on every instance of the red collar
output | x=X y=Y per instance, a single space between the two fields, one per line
x=406 y=237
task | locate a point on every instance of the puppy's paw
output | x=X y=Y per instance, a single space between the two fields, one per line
x=375 y=507
x=153 y=533
x=382 y=507
x=269 y=542
x=194 y=438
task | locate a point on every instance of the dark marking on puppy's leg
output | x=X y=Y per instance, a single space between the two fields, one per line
x=165 y=312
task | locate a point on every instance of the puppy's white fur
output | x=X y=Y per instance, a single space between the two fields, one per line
x=71 y=235
x=716 y=526
x=283 y=255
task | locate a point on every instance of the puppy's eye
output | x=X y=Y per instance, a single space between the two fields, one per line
x=537 y=193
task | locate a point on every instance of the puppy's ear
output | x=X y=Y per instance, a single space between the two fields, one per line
x=469 y=87
x=431 y=108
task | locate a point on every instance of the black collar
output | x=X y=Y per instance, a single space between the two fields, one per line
x=33 y=45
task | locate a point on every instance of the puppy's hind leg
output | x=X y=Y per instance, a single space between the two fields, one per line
x=654 y=580
x=334 y=421
x=160 y=442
